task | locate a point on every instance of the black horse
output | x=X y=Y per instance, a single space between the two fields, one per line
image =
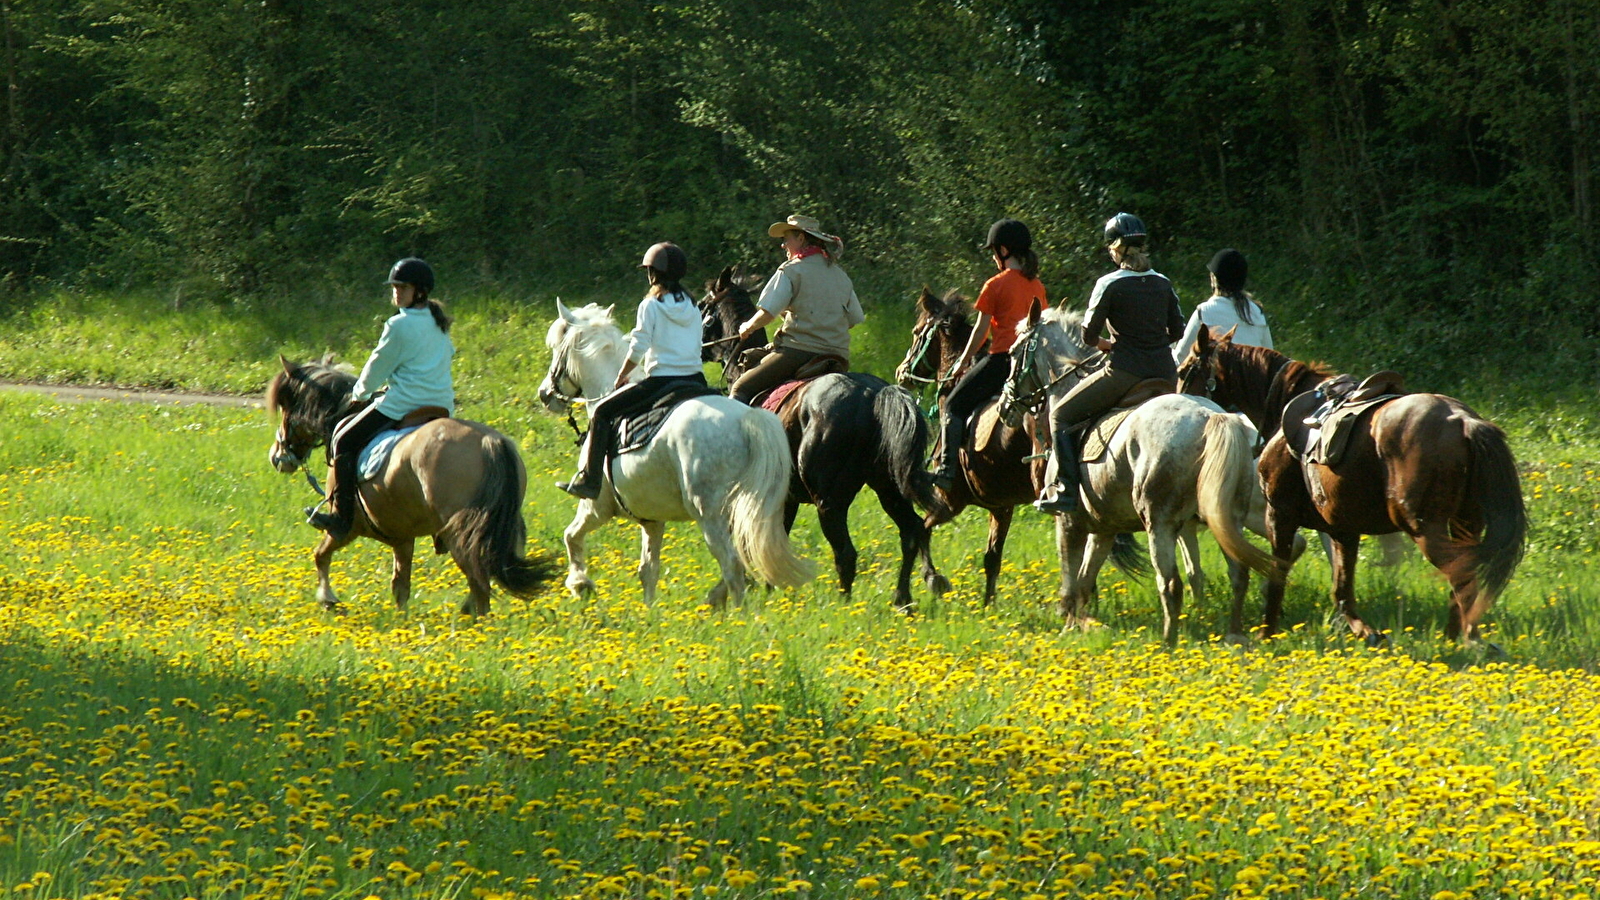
x=847 y=431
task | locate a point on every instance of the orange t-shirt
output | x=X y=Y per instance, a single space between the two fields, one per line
x=1006 y=298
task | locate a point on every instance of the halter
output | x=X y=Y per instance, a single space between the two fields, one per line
x=921 y=342
x=561 y=372
x=282 y=440
x=1025 y=372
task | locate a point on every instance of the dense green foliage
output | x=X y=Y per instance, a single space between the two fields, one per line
x=1426 y=167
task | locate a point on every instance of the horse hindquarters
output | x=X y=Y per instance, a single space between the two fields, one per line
x=488 y=536
x=755 y=503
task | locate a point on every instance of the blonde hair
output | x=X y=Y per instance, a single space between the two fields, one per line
x=1134 y=256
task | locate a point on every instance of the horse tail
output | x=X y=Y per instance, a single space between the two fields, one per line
x=1492 y=480
x=755 y=505
x=490 y=532
x=903 y=446
x=1227 y=477
x=1127 y=555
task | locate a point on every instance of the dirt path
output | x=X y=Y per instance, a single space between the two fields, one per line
x=75 y=393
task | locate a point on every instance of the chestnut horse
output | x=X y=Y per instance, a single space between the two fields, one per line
x=996 y=475
x=460 y=481
x=1423 y=464
x=847 y=431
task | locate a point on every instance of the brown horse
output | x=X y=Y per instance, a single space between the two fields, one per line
x=997 y=476
x=460 y=481
x=1423 y=464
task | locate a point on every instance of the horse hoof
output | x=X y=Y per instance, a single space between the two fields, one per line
x=332 y=607
x=1376 y=640
x=1236 y=639
x=581 y=588
x=938 y=585
x=1493 y=650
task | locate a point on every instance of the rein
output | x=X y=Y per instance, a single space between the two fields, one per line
x=1033 y=397
x=559 y=372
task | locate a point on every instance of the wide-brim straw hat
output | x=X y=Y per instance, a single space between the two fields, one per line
x=810 y=226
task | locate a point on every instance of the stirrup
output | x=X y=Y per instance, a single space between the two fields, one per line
x=326 y=521
x=943 y=480
x=1062 y=504
x=580 y=489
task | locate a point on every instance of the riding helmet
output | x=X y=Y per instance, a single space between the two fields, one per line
x=668 y=259
x=1010 y=234
x=412 y=271
x=1125 y=227
x=1230 y=268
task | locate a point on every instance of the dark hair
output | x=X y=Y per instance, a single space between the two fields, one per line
x=436 y=308
x=1029 y=260
x=1241 y=303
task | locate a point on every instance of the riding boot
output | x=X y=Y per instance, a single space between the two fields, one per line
x=1060 y=494
x=950 y=439
x=585 y=485
x=342 y=483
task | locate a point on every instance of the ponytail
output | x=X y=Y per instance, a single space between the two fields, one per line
x=1030 y=263
x=1241 y=304
x=437 y=309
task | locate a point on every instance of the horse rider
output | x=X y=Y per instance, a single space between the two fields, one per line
x=816 y=300
x=1002 y=305
x=1229 y=307
x=1141 y=307
x=664 y=344
x=413 y=359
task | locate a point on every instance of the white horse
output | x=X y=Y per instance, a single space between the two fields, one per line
x=715 y=461
x=1176 y=461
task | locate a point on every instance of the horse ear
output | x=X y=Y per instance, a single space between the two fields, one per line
x=929 y=302
x=725 y=280
x=1228 y=338
x=1035 y=309
x=611 y=309
x=566 y=314
x=289 y=368
x=1202 y=340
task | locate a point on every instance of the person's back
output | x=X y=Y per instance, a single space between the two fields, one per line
x=1229 y=308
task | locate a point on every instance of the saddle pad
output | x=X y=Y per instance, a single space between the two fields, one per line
x=773 y=401
x=1329 y=442
x=634 y=432
x=1097 y=437
x=376 y=455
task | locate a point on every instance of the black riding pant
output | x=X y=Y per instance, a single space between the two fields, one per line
x=978 y=386
x=613 y=408
x=350 y=437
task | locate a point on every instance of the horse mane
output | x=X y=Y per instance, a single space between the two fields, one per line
x=318 y=391
x=1253 y=369
x=1068 y=321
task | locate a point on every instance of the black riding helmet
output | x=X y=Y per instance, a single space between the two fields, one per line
x=1125 y=227
x=668 y=259
x=1010 y=234
x=412 y=271
x=1231 y=269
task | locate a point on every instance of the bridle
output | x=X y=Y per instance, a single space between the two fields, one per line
x=293 y=443
x=563 y=386
x=1025 y=371
x=917 y=353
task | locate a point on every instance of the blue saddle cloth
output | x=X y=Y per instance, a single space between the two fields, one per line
x=376 y=455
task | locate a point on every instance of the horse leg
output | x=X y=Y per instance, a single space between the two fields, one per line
x=999 y=527
x=1281 y=535
x=323 y=557
x=719 y=540
x=835 y=521
x=400 y=583
x=1070 y=542
x=478 y=587
x=650 y=537
x=1163 y=555
x=1096 y=550
x=589 y=518
x=1346 y=550
x=1448 y=557
x=913 y=545
x=1189 y=550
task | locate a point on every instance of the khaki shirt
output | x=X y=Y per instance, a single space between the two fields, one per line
x=818 y=305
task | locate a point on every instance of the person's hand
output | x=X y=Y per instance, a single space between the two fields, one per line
x=960 y=369
x=1104 y=346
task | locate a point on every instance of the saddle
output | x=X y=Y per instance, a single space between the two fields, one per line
x=824 y=364
x=1095 y=434
x=375 y=456
x=1318 y=424
x=635 y=432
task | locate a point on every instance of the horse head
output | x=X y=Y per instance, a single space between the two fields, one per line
x=308 y=399
x=1048 y=352
x=1200 y=372
x=586 y=353
x=726 y=305
x=937 y=339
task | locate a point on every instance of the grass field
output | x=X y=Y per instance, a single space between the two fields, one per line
x=181 y=720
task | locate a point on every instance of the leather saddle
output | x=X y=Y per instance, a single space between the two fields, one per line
x=823 y=364
x=1318 y=424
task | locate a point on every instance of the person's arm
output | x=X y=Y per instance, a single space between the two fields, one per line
x=775 y=298
x=980 y=333
x=853 y=314
x=1180 y=350
x=1266 y=331
x=622 y=377
x=1174 y=317
x=1094 y=321
x=380 y=365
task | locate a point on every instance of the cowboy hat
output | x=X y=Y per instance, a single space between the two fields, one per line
x=800 y=223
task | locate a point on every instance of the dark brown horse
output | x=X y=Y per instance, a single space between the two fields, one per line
x=846 y=431
x=1423 y=464
x=996 y=475
x=460 y=481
